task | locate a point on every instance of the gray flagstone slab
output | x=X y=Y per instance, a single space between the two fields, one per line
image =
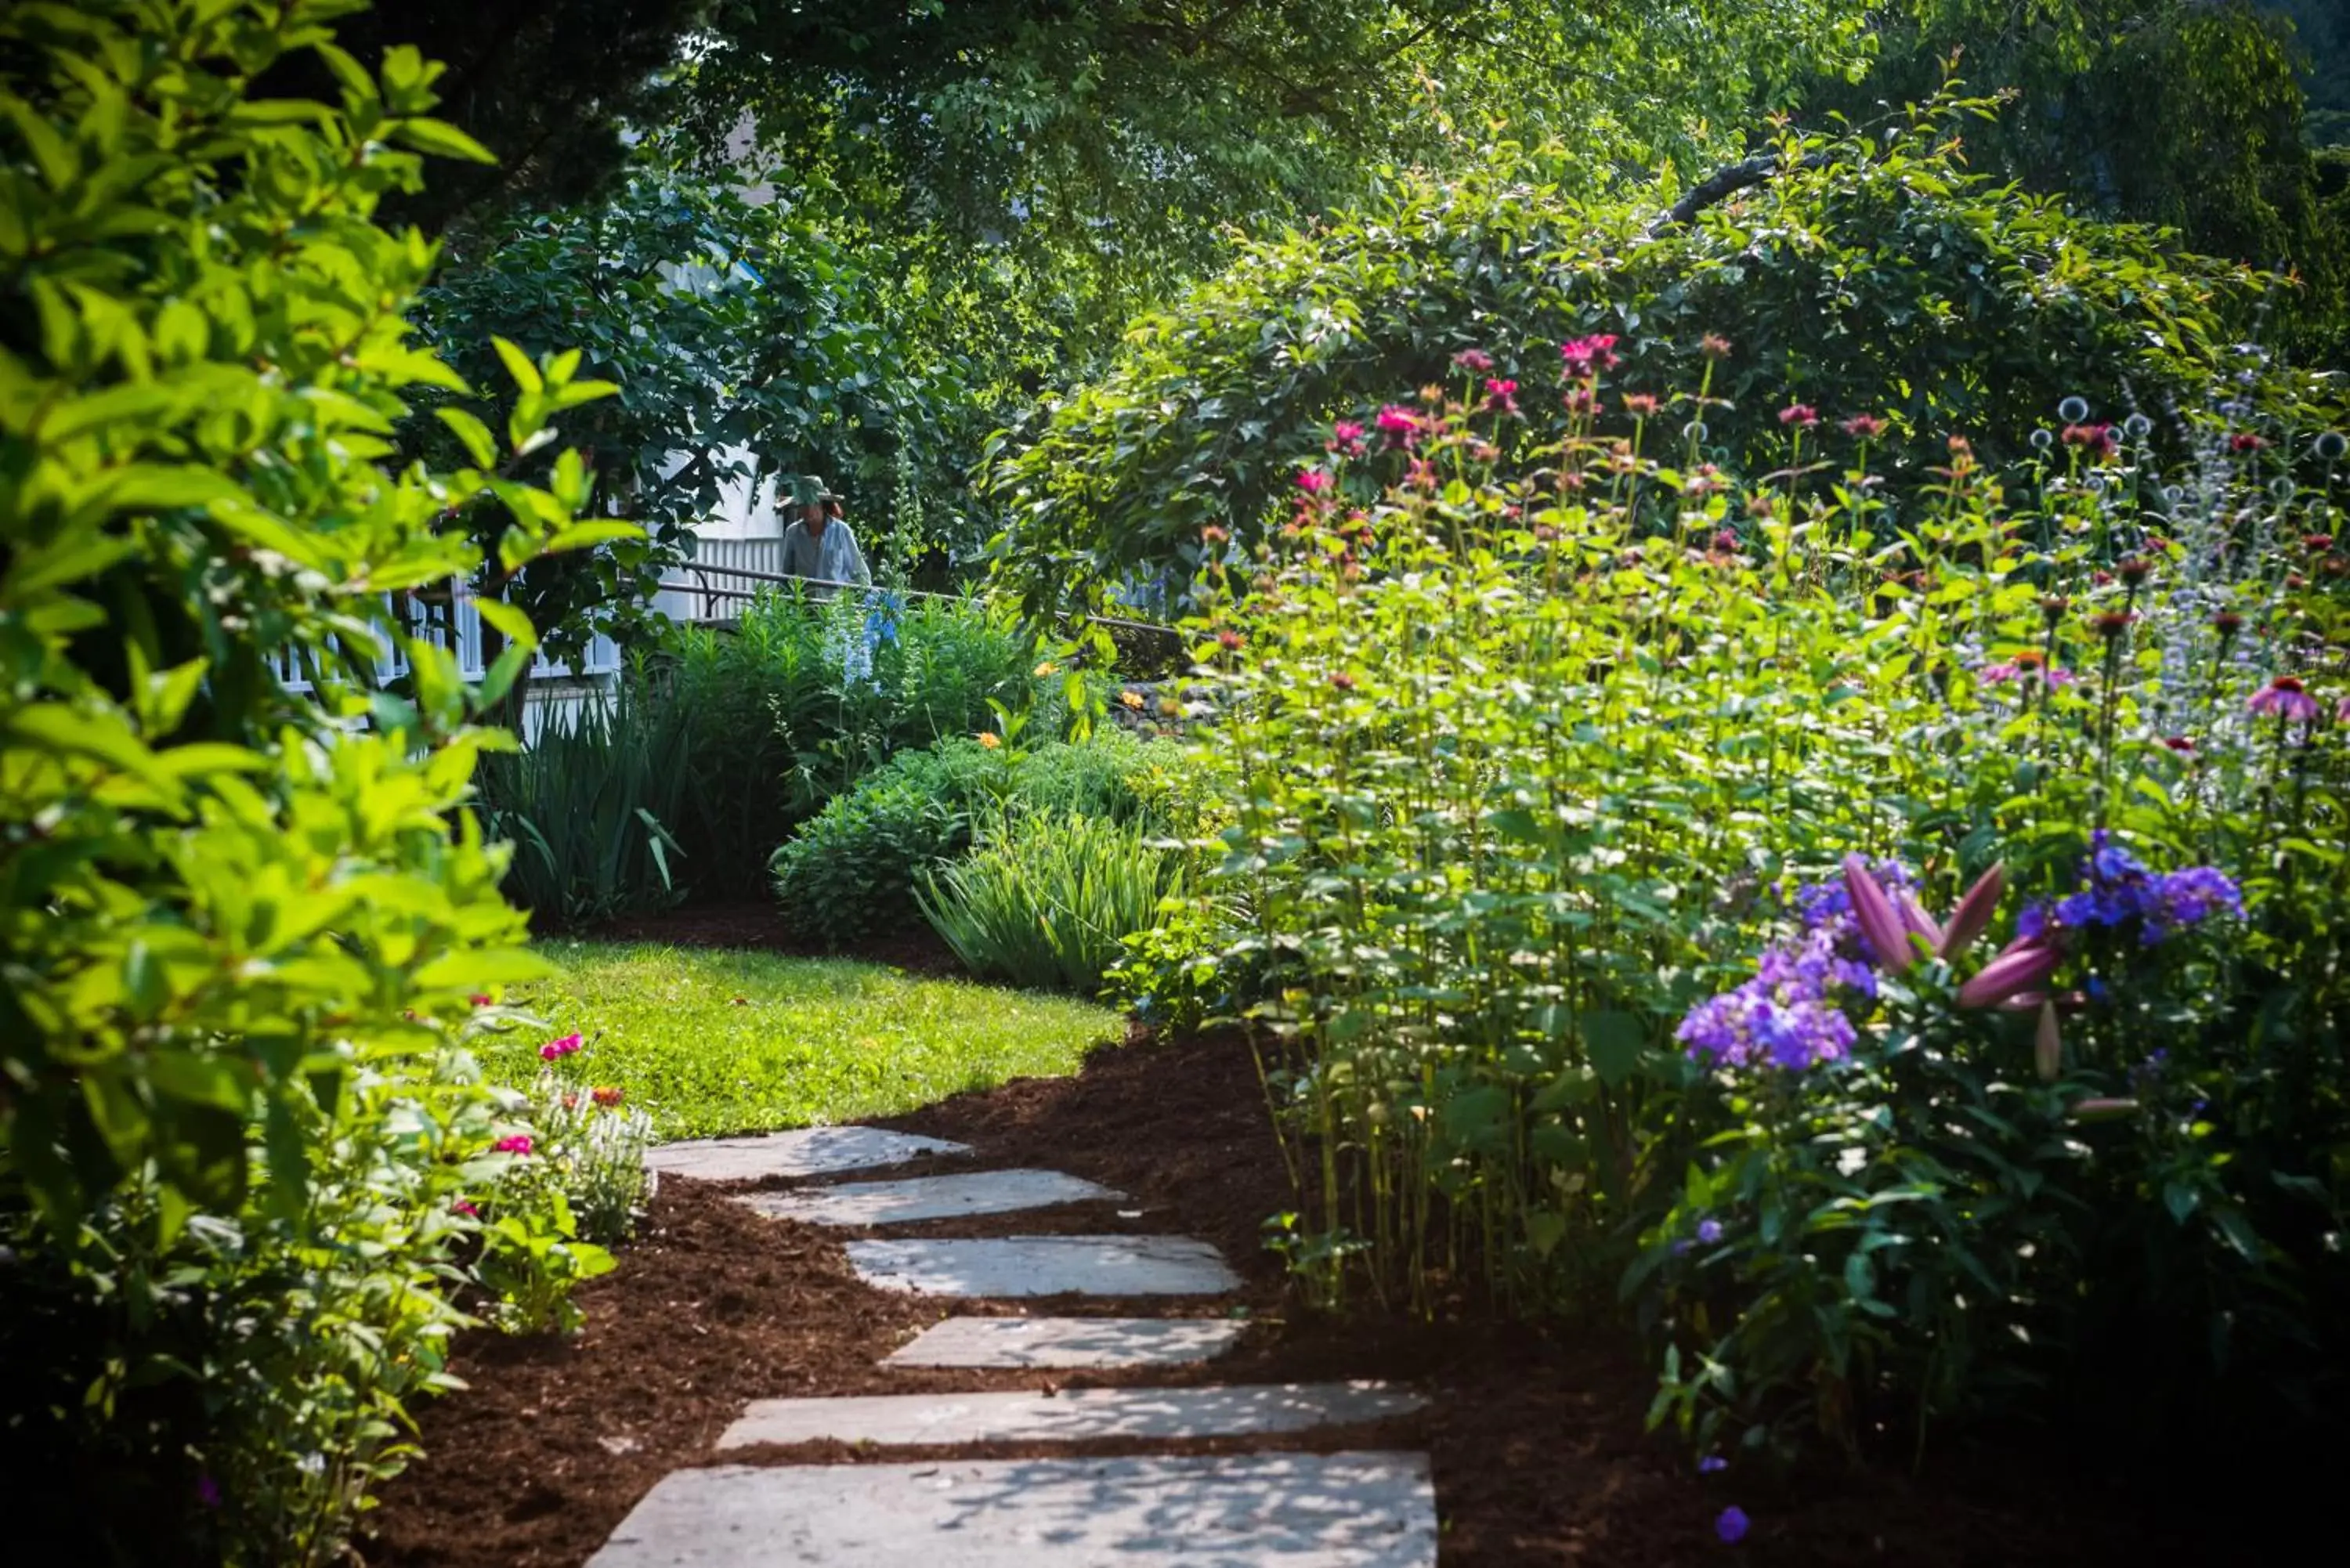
x=909 y=1420
x=1045 y=1266
x=808 y=1151
x=1070 y=1342
x=928 y=1198
x=1237 y=1511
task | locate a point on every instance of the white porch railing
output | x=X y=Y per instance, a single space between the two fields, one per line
x=602 y=659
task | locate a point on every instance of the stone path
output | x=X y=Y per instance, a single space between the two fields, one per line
x=1221 y=1510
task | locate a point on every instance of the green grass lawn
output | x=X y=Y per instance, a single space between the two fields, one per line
x=711 y=1042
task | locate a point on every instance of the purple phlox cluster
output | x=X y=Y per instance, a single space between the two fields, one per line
x=2119 y=889
x=1792 y=1013
x=1789 y=1015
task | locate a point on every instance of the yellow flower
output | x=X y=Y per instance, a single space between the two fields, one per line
x=989 y=738
x=1131 y=699
x=1047 y=667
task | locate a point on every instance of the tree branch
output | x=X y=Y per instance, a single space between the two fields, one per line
x=1728 y=182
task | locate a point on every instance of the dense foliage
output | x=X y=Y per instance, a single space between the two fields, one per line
x=731 y=737
x=244 y=1164
x=1069 y=165
x=1872 y=273
x=2180 y=112
x=1534 y=730
x=852 y=869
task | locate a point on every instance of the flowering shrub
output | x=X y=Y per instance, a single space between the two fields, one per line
x=591 y=1146
x=1525 y=710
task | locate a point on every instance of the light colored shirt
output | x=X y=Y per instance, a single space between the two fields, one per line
x=833 y=558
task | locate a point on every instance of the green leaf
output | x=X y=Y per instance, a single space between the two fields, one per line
x=1613 y=1042
x=442 y=139
x=518 y=366
x=480 y=445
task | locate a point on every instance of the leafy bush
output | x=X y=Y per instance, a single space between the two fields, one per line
x=241 y=924
x=584 y=804
x=852 y=869
x=1047 y=901
x=804 y=698
x=1524 y=727
x=1867 y=272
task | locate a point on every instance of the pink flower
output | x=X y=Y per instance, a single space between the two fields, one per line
x=556 y=1050
x=479 y=998
x=1474 y=359
x=1313 y=481
x=464 y=1207
x=1504 y=393
x=1398 y=424
x=1867 y=427
x=519 y=1146
x=1346 y=438
x=1588 y=355
x=2286 y=698
x=1800 y=415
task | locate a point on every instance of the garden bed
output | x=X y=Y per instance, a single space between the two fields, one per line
x=1539 y=1453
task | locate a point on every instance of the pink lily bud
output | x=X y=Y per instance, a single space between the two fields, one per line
x=2026 y=1001
x=1880 y=926
x=2023 y=965
x=2048 y=1045
x=1915 y=917
x=1973 y=913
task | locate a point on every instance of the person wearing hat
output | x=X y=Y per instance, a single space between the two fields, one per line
x=818 y=545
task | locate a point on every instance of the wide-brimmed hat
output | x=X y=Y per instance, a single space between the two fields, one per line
x=810 y=490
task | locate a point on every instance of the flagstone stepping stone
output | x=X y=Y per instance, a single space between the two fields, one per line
x=928 y=1198
x=809 y=1151
x=1225 y=1510
x=908 y=1420
x=1070 y=1342
x=1045 y=1266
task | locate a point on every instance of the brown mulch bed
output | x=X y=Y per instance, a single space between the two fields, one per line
x=1539 y=1452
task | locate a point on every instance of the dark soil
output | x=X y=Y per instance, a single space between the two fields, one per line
x=760 y=927
x=1539 y=1452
